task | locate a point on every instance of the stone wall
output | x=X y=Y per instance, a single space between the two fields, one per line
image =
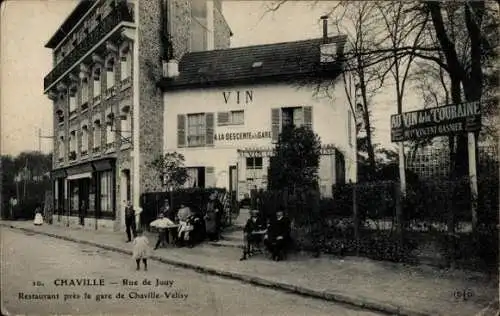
x=180 y=23
x=150 y=97
x=222 y=32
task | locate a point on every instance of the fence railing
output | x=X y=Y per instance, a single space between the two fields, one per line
x=376 y=220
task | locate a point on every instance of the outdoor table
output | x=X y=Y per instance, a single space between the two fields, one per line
x=172 y=233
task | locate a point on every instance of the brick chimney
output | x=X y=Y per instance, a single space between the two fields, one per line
x=325 y=28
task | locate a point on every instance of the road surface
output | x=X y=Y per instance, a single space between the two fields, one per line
x=43 y=276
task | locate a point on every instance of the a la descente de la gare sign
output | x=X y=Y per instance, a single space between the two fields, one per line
x=439 y=121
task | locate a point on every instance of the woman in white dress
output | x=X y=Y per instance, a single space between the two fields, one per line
x=38 y=217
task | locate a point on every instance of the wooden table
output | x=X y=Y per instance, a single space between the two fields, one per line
x=171 y=232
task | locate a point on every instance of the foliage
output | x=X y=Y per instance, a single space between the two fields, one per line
x=171 y=170
x=295 y=161
x=31 y=170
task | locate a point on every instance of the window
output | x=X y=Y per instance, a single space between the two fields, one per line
x=62 y=148
x=231 y=118
x=126 y=122
x=125 y=63
x=110 y=134
x=110 y=73
x=292 y=116
x=196 y=130
x=254 y=163
x=289 y=116
x=106 y=193
x=72 y=145
x=84 y=140
x=85 y=90
x=254 y=168
x=97 y=82
x=60 y=115
x=97 y=135
x=199 y=25
x=72 y=99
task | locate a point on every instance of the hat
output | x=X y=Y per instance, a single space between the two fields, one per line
x=254 y=212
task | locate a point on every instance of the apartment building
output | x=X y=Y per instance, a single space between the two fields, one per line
x=108 y=56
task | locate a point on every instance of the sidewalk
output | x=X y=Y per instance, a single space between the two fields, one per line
x=379 y=286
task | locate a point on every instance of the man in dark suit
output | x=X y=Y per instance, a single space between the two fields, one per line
x=130 y=221
x=278 y=236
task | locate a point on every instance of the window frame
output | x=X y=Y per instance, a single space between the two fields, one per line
x=202 y=133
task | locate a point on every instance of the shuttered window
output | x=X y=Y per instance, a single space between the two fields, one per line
x=209 y=139
x=287 y=116
x=275 y=124
x=307 y=115
x=222 y=118
x=195 y=130
x=181 y=130
x=231 y=118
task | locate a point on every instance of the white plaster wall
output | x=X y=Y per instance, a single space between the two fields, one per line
x=329 y=115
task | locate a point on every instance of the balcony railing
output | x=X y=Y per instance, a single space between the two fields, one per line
x=121 y=13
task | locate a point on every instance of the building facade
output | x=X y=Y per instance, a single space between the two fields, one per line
x=225 y=110
x=108 y=56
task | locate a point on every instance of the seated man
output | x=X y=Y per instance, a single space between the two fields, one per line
x=278 y=236
x=252 y=226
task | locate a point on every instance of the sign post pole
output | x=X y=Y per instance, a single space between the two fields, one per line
x=473 y=177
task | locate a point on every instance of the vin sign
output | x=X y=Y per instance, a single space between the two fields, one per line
x=443 y=120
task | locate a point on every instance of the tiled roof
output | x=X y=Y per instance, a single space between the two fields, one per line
x=280 y=61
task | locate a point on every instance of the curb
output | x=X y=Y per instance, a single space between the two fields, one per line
x=359 y=302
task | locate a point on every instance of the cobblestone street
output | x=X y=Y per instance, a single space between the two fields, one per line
x=29 y=258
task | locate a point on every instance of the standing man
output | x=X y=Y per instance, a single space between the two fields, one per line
x=83 y=211
x=215 y=206
x=130 y=221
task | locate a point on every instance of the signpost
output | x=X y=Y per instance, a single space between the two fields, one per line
x=440 y=121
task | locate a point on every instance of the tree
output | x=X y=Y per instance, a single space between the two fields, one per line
x=171 y=170
x=295 y=160
x=362 y=78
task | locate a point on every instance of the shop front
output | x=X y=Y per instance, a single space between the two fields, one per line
x=86 y=190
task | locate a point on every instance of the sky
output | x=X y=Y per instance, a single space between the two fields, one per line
x=26 y=25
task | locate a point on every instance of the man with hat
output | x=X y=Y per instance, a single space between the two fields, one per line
x=278 y=236
x=252 y=226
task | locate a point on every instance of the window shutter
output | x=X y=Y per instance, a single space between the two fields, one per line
x=209 y=136
x=307 y=116
x=209 y=177
x=275 y=124
x=223 y=118
x=181 y=130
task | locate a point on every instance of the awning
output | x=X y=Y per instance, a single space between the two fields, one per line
x=80 y=176
x=102 y=165
x=83 y=168
x=58 y=173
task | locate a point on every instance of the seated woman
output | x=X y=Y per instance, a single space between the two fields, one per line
x=252 y=226
x=185 y=224
x=278 y=236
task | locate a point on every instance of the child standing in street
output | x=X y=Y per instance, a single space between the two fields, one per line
x=141 y=250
